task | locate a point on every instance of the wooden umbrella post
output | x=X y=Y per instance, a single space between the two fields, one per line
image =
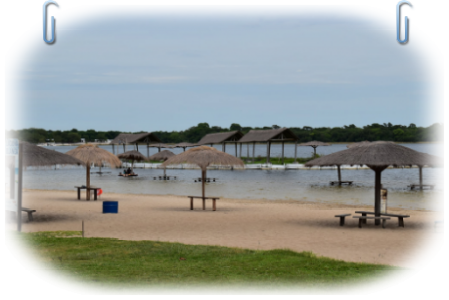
x=420 y=177
x=339 y=175
x=203 y=181
x=314 y=152
x=377 y=188
x=88 y=181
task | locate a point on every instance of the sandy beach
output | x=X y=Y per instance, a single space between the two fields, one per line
x=253 y=224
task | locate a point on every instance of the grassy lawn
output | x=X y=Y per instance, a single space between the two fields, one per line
x=108 y=261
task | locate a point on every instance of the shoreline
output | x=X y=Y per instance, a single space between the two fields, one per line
x=251 y=224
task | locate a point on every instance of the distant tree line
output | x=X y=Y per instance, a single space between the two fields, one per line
x=350 y=133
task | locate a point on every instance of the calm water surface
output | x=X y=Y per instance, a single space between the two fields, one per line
x=303 y=185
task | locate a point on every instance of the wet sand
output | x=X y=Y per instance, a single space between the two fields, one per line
x=253 y=224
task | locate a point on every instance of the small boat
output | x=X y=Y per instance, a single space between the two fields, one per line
x=127 y=175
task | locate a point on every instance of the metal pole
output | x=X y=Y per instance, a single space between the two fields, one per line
x=19 y=190
x=11 y=182
x=296 y=150
x=282 y=152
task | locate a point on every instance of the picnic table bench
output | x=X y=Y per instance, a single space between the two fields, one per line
x=421 y=186
x=12 y=214
x=362 y=219
x=341 y=182
x=206 y=179
x=342 y=218
x=166 y=177
x=400 y=217
x=92 y=188
x=214 y=199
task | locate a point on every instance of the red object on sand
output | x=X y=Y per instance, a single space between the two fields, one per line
x=100 y=191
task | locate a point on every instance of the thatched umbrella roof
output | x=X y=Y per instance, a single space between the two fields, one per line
x=91 y=154
x=203 y=156
x=314 y=144
x=35 y=156
x=132 y=155
x=377 y=156
x=184 y=144
x=162 y=156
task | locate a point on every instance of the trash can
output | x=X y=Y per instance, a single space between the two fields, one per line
x=110 y=207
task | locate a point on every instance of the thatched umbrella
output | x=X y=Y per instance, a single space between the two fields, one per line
x=377 y=156
x=35 y=156
x=203 y=156
x=314 y=144
x=162 y=156
x=132 y=155
x=92 y=154
x=185 y=145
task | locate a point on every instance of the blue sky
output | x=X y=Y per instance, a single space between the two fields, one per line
x=147 y=72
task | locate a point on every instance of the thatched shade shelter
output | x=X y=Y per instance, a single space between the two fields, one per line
x=36 y=156
x=132 y=155
x=222 y=138
x=135 y=139
x=268 y=136
x=162 y=156
x=377 y=156
x=91 y=154
x=161 y=145
x=203 y=156
x=185 y=145
x=314 y=145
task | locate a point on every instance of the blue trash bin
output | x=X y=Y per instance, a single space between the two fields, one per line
x=110 y=207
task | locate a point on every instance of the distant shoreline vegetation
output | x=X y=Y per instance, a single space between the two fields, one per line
x=345 y=134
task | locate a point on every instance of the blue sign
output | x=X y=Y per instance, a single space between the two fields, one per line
x=12 y=147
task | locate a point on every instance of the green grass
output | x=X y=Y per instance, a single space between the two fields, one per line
x=108 y=261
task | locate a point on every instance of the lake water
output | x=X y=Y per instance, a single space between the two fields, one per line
x=301 y=185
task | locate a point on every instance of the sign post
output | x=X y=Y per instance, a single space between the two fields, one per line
x=13 y=197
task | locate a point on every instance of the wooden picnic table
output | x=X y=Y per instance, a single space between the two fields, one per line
x=341 y=182
x=400 y=217
x=92 y=188
x=421 y=186
x=214 y=199
x=166 y=177
x=206 y=179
